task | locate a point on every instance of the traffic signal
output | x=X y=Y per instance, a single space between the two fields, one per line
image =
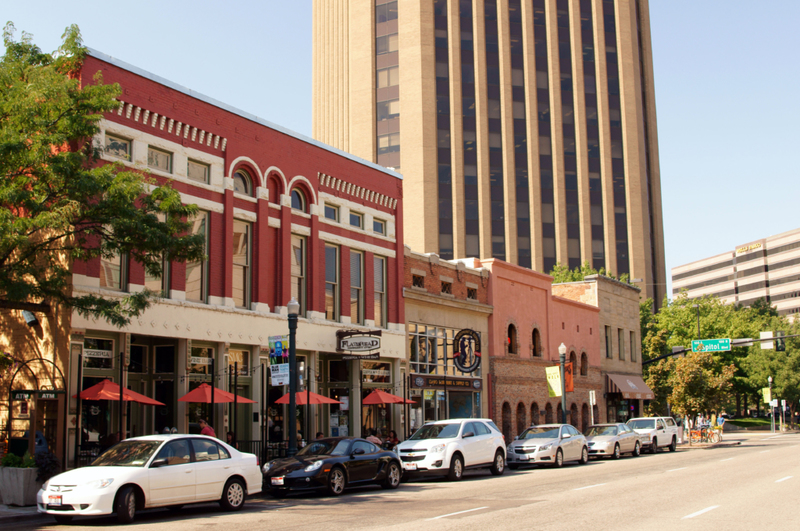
x=780 y=343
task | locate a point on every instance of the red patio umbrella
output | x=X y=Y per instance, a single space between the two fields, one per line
x=382 y=397
x=300 y=399
x=108 y=390
x=203 y=395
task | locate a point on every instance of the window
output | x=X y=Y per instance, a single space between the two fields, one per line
x=239 y=358
x=418 y=281
x=511 y=340
x=537 y=342
x=388 y=143
x=386 y=44
x=609 y=352
x=159 y=160
x=379 y=271
x=633 y=346
x=198 y=171
x=298 y=200
x=196 y=272
x=332 y=212
x=621 y=338
x=379 y=226
x=331 y=283
x=447 y=287
x=176 y=453
x=388 y=109
x=241 y=183
x=112 y=272
x=356 y=220
x=241 y=263
x=118 y=147
x=205 y=450
x=158 y=284
x=388 y=77
x=299 y=271
x=98 y=353
x=472 y=294
x=584 y=364
x=356 y=287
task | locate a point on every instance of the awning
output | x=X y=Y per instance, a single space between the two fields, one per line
x=631 y=386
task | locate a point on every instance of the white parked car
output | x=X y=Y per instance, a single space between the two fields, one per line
x=153 y=471
x=448 y=447
x=656 y=432
x=550 y=444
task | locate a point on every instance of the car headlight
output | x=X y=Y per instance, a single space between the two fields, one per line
x=545 y=447
x=314 y=466
x=267 y=466
x=100 y=483
x=439 y=448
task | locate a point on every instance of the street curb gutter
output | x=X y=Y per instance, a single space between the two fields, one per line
x=701 y=446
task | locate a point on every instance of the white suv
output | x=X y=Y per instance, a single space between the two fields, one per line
x=448 y=447
x=656 y=432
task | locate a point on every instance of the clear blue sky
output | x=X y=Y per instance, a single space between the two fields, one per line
x=726 y=80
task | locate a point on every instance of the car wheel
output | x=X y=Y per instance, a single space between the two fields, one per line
x=513 y=467
x=673 y=445
x=233 y=495
x=616 y=451
x=336 y=481
x=584 y=456
x=278 y=493
x=637 y=450
x=654 y=446
x=63 y=519
x=559 y=462
x=392 y=476
x=499 y=464
x=125 y=505
x=456 y=468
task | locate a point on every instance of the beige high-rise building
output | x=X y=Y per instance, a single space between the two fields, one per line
x=525 y=129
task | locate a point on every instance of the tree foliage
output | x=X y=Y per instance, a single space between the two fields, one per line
x=58 y=201
x=562 y=273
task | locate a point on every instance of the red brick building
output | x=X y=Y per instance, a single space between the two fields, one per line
x=284 y=216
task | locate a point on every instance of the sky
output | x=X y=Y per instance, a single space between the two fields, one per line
x=726 y=80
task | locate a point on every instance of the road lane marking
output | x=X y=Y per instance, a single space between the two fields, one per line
x=676 y=469
x=590 y=486
x=698 y=513
x=784 y=479
x=728 y=459
x=459 y=512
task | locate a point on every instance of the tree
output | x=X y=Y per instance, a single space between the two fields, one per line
x=58 y=201
x=562 y=273
x=697 y=385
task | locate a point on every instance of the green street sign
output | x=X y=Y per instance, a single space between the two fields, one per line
x=711 y=345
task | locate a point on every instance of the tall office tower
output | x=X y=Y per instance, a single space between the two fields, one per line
x=525 y=129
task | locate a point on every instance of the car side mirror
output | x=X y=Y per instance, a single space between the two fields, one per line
x=468 y=434
x=516 y=437
x=158 y=462
x=358 y=451
x=566 y=436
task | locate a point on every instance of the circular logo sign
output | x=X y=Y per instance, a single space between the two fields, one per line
x=419 y=381
x=467 y=350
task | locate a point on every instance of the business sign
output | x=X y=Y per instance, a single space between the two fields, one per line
x=711 y=345
x=97 y=353
x=592 y=398
x=359 y=345
x=279 y=374
x=467 y=350
x=427 y=381
x=553 y=380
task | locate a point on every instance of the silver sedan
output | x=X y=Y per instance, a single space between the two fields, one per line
x=612 y=440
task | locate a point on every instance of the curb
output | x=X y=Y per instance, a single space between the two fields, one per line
x=706 y=446
x=10 y=517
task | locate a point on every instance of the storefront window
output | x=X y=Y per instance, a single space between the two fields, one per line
x=340 y=413
x=337 y=371
x=242 y=357
x=200 y=360
x=98 y=353
x=432 y=351
x=376 y=372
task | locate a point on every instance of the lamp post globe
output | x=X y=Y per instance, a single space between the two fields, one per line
x=293 y=308
x=562 y=358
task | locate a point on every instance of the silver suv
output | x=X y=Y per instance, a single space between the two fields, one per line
x=448 y=447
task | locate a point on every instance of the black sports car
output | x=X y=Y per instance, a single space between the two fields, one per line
x=332 y=464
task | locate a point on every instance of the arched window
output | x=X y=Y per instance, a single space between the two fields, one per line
x=521 y=424
x=573 y=416
x=584 y=417
x=560 y=415
x=242 y=184
x=298 y=200
x=537 y=342
x=511 y=341
x=535 y=413
x=584 y=364
x=548 y=413
x=573 y=359
x=507 y=421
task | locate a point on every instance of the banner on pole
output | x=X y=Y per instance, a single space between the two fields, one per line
x=553 y=380
x=767 y=392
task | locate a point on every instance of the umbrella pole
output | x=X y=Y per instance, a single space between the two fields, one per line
x=213 y=384
x=79 y=413
x=121 y=389
x=235 y=393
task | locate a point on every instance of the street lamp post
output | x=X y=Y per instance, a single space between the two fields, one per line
x=562 y=358
x=771 y=409
x=294 y=309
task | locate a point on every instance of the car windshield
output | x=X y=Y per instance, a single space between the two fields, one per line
x=540 y=433
x=607 y=431
x=128 y=453
x=323 y=447
x=436 y=431
x=642 y=424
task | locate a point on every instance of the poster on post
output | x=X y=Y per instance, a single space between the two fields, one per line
x=553 y=380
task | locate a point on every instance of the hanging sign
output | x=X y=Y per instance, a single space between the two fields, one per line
x=279 y=374
x=358 y=345
x=467 y=350
x=553 y=380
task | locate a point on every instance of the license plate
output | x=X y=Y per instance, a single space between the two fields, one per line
x=54 y=500
x=277 y=481
x=410 y=466
x=523 y=458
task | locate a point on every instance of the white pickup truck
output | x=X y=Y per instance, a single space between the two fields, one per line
x=656 y=432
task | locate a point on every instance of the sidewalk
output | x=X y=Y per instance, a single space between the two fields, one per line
x=10 y=513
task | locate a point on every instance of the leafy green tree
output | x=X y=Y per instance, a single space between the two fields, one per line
x=562 y=273
x=58 y=201
x=698 y=384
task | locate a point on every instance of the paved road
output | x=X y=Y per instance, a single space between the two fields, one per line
x=752 y=486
